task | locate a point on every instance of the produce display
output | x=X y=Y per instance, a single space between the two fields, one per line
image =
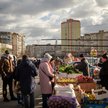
x=85 y=85
x=89 y=101
x=84 y=79
x=89 y=96
x=96 y=73
x=100 y=93
x=66 y=80
x=61 y=102
x=69 y=69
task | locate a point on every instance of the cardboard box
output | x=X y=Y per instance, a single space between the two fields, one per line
x=87 y=87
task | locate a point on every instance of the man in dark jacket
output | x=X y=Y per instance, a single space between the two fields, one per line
x=104 y=71
x=83 y=66
x=25 y=74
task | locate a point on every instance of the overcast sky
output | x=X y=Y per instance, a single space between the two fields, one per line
x=41 y=19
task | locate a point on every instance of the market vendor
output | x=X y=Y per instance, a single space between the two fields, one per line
x=104 y=71
x=83 y=65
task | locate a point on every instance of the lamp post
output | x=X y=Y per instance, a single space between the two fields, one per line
x=55 y=48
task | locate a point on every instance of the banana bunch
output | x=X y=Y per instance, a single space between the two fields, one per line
x=66 y=80
x=90 y=96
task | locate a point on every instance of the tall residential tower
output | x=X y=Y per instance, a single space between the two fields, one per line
x=69 y=30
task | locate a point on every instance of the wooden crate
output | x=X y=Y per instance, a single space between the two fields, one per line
x=87 y=87
x=78 y=95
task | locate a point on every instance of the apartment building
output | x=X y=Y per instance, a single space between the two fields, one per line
x=14 y=42
x=98 y=41
x=37 y=50
x=18 y=44
x=69 y=30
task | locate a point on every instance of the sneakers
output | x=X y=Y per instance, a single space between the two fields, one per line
x=6 y=100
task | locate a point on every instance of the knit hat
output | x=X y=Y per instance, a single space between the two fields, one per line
x=47 y=56
x=104 y=56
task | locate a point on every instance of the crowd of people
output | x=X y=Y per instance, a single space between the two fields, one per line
x=22 y=72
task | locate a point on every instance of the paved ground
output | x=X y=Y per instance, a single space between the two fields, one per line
x=13 y=104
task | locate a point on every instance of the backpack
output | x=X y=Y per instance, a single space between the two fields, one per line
x=6 y=65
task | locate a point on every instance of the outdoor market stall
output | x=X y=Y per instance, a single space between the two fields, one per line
x=84 y=90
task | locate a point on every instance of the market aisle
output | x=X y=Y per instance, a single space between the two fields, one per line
x=13 y=104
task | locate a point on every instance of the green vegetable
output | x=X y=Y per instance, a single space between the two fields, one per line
x=69 y=69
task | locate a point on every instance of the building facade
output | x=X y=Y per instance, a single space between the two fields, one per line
x=14 y=42
x=98 y=41
x=69 y=30
x=18 y=44
x=36 y=50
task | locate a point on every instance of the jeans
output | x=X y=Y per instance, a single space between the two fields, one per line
x=7 y=81
x=20 y=98
x=45 y=98
x=29 y=100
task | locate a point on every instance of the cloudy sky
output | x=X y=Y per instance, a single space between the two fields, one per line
x=41 y=19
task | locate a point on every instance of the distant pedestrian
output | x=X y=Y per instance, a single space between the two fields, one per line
x=26 y=72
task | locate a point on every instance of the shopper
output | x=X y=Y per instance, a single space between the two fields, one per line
x=104 y=71
x=52 y=64
x=45 y=75
x=25 y=74
x=7 y=70
x=17 y=86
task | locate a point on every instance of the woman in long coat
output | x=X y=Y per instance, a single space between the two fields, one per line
x=45 y=75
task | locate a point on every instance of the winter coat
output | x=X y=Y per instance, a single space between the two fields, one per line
x=44 y=74
x=104 y=68
x=25 y=74
x=83 y=67
x=104 y=74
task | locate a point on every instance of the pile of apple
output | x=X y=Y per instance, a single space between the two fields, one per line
x=84 y=79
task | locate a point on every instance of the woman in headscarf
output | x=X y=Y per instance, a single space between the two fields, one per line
x=45 y=75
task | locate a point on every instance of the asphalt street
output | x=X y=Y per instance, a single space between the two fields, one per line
x=13 y=104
